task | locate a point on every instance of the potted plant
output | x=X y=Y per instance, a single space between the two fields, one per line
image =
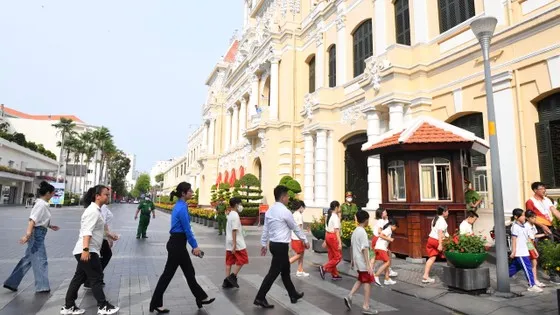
x=213 y=196
x=549 y=259
x=211 y=217
x=250 y=194
x=318 y=230
x=346 y=230
x=465 y=251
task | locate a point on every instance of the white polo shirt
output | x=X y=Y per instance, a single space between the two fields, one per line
x=298 y=218
x=334 y=223
x=522 y=236
x=441 y=225
x=379 y=224
x=92 y=224
x=384 y=244
x=234 y=223
x=41 y=214
x=359 y=242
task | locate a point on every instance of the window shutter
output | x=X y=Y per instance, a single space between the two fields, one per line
x=542 y=133
x=332 y=66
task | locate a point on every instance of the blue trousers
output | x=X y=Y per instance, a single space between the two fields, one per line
x=522 y=263
x=36 y=257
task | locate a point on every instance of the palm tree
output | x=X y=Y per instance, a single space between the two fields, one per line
x=109 y=151
x=100 y=137
x=78 y=150
x=69 y=147
x=65 y=126
x=87 y=154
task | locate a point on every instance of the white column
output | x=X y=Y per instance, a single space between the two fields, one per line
x=308 y=171
x=205 y=140
x=212 y=136
x=234 y=125
x=242 y=118
x=274 y=89
x=330 y=166
x=505 y=131
x=319 y=62
x=321 y=174
x=227 y=135
x=380 y=27
x=254 y=100
x=341 y=50
x=496 y=9
x=373 y=162
x=421 y=23
x=396 y=115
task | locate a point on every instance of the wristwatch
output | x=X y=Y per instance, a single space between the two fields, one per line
x=86 y=249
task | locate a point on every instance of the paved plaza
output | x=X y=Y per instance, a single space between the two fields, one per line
x=136 y=265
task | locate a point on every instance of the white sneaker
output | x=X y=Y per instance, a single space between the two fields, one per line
x=107 y=309
x=429 y=280
x=73 y=310
x=540 y=284
x=535 y=289
x=369 y=311
x=377 y=281
x=389 y=282
x=302 y=274
x=392 y=273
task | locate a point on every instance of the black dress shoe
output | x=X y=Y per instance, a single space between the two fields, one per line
x=10 y=288
x=159 y=310
x=295 y=298
x=263 y=303
x=232 y=279
x=226 y=284
x=199 y=303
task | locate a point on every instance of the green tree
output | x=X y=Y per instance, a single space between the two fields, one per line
x=159 y=178
x=294 y=188
x=250 y=193
x=143 y=183
x=118 y=168
x=135 y=193
x=65 y=126
x=100 y=137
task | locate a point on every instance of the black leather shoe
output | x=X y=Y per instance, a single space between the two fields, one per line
x=200 y=303
x=295 y=298
x=232 y=279
x=226 y=284
x=263 y=303
x=10 y=288
x=159 y=310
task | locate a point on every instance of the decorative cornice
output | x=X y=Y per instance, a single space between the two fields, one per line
x=340 y=22
x=374 y=66
x=310 y=100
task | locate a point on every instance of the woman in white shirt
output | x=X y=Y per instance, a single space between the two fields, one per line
x=298 y=246
x=434 y=247
x=333 y=241
x=36 y=254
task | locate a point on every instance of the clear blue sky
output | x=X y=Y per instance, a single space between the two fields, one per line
x=135 y=66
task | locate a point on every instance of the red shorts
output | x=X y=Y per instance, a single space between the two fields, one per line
x=374 y=241
x=365 y=277
x=382 y=255
x=298 y=246
x=432 y=248
x=238 y=258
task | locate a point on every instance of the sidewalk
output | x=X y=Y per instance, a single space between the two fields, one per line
x=409 y=283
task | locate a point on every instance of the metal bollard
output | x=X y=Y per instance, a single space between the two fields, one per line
x=558 y=299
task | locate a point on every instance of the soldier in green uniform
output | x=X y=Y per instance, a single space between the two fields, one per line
x=349 y=208
x=145 y=208
x=472 y=197
x=221 y=216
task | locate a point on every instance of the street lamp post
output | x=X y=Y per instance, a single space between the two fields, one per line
x=483 y=28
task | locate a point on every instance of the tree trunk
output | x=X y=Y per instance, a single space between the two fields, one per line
x=101 y=167
x=61 y=157
x=95 y=161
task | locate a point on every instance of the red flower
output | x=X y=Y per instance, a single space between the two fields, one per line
x=456 y=239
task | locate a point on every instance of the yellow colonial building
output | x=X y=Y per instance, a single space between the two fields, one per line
x=307 y=83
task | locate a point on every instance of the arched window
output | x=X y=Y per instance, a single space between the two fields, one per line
x=311 y=65
x=363 y=46
x=402 y=22
x=454 y=12
x=548 y=146
x=332 y=66
x=396 y=179
x=435 y=179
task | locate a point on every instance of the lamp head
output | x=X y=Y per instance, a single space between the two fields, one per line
x=484 y=26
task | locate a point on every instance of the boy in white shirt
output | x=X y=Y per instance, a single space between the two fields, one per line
x=360 y=262
x=236 y=249
x=382 y=253
x=466 y=227
x=297 y=245
x=520 y=251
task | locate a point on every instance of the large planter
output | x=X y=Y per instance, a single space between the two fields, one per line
x=466 y=260
x=554 y=277
x=205 y=222
x=477 y=279
x=318 y=246
x=319 y=234
x=216 y=226
x=248 y=220
x=347 y=253
x=196 y=219
x=211 y=223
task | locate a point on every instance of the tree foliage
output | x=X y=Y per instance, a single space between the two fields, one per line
x=250 y=194
x=294 y=188
x=159 y=178
x=118 y=168
x=143 y=183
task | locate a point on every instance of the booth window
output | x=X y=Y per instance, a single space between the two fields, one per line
x=396 y=178
x=435 y=179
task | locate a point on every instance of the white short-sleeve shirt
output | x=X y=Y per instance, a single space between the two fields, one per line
x=441 y=225
x=40 y=213
x=234 y=223
x=379 y=224
x=298 y=218
x=92 y=224
x=334 y=223
x=384 y=244
x=522 y=235
x=359 y=242
x=531 y=230
x=465 y=228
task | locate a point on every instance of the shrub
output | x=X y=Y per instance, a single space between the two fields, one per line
x=213 y=194
x=474 y=244
x=346 y=230
x=250 y=193
x=294 y=188
x=318 y=228
x=549 y=255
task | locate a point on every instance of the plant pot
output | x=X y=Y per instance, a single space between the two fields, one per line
x=347 y=253
x=318 y=246
x=554 y=277
x=211 y=223
x=216 y=225
x=466 y=260
x=195 y=219
x=205 y=222
x=248 y=220
x=319 y=234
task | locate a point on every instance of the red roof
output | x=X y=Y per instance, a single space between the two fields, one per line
x=425 y=130
x=230 y=55
x=13 y=112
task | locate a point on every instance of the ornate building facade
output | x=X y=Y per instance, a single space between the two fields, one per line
x=307 y=83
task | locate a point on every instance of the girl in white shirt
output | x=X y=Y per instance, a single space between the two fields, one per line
x=333 y=241
x=381 y=218
x=534 y=235
x=382 y=252
x=36 y=254
x=297 y=245
x=434 y=247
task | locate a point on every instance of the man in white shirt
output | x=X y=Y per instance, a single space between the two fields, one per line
x=466 y=227
x=236 y=249
x=278 y=225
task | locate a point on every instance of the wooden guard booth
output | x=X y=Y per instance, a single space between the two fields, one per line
x=423 y=166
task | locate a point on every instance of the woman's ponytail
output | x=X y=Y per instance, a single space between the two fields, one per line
x=171 y=195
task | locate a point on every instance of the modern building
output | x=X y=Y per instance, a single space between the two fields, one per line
x=159 y=168
x=308 y=83
x=132 y=173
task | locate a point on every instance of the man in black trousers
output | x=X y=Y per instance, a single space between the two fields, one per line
x=278 y=225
